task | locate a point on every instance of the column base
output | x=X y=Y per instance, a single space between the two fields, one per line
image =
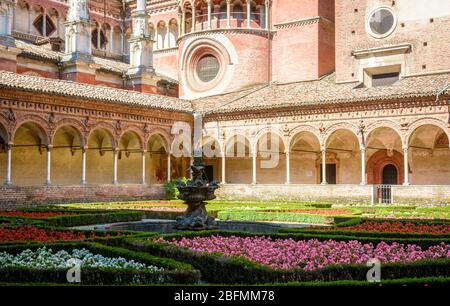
x=115 y=183
x=47 y=183
x=324 y=183
x=406 y=184
x=7 y=183
x=363 y=183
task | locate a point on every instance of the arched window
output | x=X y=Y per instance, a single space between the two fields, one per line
x=49 y=26
x=238 y=12
x=223 y=11
x=103 y=40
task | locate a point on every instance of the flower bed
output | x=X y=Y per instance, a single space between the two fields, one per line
x=399 y=227
x=45 y=258
x=100 y=265
x=34 y=215
x=33 y=233
x=311 y=254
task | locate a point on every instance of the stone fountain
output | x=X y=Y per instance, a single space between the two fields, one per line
x=194 y=193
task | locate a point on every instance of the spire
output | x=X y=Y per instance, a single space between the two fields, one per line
x=6 y=16
x=78 y=29
x=78 y=10
x=141 y=44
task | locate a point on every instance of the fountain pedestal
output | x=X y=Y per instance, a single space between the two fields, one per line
x=194 y=194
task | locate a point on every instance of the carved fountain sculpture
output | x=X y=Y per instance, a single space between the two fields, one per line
x=194 y=193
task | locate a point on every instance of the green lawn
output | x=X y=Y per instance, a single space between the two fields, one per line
x=274 y=210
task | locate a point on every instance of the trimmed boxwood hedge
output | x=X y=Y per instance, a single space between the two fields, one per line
x=274 y=216
x=217 y=268
x=416 y=282
x=79 y=218
x=175 y=272
x=94 y=218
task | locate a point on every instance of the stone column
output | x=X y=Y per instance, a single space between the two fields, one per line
x=193 y=19
x=363 y=166
x=99 y=44
x=267 y=12
x=58 y=26
x=8 y=180
x=44 y=27
x=324 y=166
x=406 y=169
x=249 y=10
x=143 y=167
x=110 y=42
x=288 y=167
x=228 y=14
x=48 y=180
x=183 y=22
x=254 y=156
x=83 y=165
x=223 y=167
x=168 y=166
x=209 y=14
x=29 y=20
x=116 y=157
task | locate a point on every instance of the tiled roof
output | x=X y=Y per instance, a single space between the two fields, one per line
x=106 y=64
x=91 y=92
x=320 y=92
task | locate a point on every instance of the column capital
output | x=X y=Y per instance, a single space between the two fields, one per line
x=49 y=147
x=144 y=151
x=405 y=148
x=362 y=149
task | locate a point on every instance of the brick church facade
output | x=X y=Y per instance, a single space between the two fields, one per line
x=350 y=98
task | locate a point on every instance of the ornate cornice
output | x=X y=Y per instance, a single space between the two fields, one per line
x=252 y=31
x=301 y=22
x=396 y=107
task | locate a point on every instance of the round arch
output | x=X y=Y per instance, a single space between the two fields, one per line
x=29 y=158
x=100 y=156
x=238 y=162
x=130 y=157
x=304 y=150
x=66 y=159
x=413 y=127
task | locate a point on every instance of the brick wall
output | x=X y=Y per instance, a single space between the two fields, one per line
x=338 y=194
x=12 y=197
x=419 y=22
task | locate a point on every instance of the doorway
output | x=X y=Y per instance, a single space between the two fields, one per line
x=390 y=175
x=331 y=174
x=209 y=171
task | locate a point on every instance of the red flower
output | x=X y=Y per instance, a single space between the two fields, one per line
x=33 y=214
x=33 y=233
x=399 y=227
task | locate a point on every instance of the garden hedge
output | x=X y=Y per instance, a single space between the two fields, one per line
x=274 y=216
x=421 y=282
x=216 y=268
x=175 y=272
x=94 y=218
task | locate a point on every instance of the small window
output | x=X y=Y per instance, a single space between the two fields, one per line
x=208 y=68
x=381 y=22
x=39 y=25
x=385 y=79
x=103 y=40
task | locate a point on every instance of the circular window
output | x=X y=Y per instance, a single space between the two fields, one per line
x=207 y=68
x=382 y=22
